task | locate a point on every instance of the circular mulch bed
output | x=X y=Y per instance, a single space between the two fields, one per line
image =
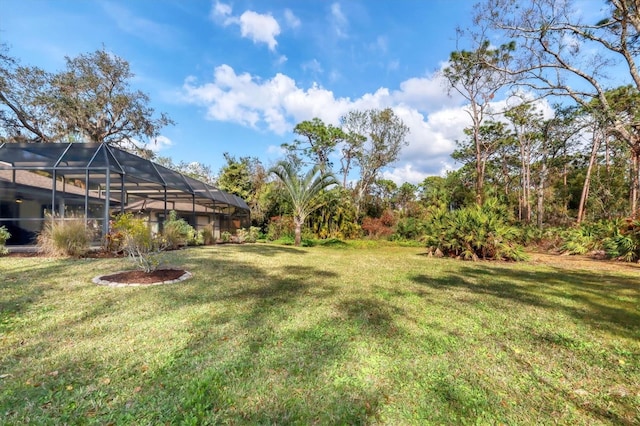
x=141 y=278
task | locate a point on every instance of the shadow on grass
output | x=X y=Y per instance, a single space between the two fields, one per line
x=21 y=287
x=610 y=302
x=269 y=249
x=372 y=316
x=261 y=366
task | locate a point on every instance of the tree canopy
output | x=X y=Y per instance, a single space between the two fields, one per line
x=89 y=101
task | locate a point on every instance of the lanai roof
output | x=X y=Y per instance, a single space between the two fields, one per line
x=107 y=168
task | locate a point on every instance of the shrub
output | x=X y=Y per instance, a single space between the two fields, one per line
x=279 y=227
x=409 y=228
x=177 y=232
x=625 y=243
x=241 y=235
x=207 y=235
x=4 y=236
x=249 y=235
x=133 y=237
x=65 y=238
x=588 y=237
x=379 y=227
x=472 y=233
x=225 y=237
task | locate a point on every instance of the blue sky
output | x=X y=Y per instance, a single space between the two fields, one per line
x=236 y=76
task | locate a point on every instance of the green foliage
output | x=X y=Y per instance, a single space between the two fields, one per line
x=279 y=227
x=587 y=237
x=225 y=237
x=4 y=236
x=236 y=176
x=409 y=228
x=91 y=98
x=304 y=192
x=206 y=235
x=625 y=243
x=250 y=235
x=472 y=233
x=318 y=141
x=577 y=241
x=177 y=232
x=65 y=238
x=132 y=236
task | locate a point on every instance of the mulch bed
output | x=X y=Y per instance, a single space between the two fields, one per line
x=141 y=277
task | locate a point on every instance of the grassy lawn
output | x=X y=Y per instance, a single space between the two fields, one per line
x=274 y=334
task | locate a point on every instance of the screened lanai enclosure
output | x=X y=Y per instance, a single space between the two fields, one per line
x=93 y=182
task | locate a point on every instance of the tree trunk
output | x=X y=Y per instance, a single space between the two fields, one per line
x=479 y=169
x=634 y=183
x=525 y=180
x=587 y=179
x=298 y=231
x=540 y=192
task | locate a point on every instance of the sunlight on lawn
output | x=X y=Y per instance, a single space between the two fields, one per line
x=274 y=334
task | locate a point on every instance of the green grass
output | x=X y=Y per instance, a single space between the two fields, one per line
x=350 y=334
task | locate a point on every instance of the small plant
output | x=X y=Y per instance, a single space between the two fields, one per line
x=249 y=235
x=241 y=235
x=225 y=237
x=207 y=235
x=133 y=237
x=625 y=243
x=4 y=236
x=65 y=238
x=177 y=232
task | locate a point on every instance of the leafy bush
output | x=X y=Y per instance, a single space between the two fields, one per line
x=225 y=237
x=472 y=233
x=409 y=228
x=280 y=226
x=4 y=236
x=625 y=243
x=576 y=241
x=177 y=232
x=65 y=238
x=241 y=235
x=588 y=237
x=133 y=237
x=249 y=235
x=207 y=235
x=379 y=227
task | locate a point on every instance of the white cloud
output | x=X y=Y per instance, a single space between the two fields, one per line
x=260 y=28
x=292 y=20
x=159 y=143
x=339 y=20
x=221 y=10
x=381 y=44
x=312 y=66
x=277 y=104
x=425 y=93
x=156 y=144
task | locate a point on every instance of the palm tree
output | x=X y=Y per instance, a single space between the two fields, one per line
x=303 y=192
